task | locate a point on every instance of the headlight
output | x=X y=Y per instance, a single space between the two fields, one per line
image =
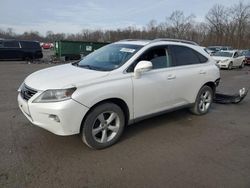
x=55 y=95
x=217 y=65
x=225 y=61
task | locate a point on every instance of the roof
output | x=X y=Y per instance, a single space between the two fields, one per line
x=145 y=42
x=230 y=51
x=135 y=42
x=7 y=40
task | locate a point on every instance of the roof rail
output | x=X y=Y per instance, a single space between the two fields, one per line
x=175 y=40
x=132 y=40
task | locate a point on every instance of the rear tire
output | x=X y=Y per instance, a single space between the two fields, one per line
x=203 y=101
x=242 y=64
x=103 y=126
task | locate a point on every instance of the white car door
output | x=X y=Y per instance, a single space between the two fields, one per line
x=153 y=91
x=191 y=72
x=236 y=59
x=171 y=84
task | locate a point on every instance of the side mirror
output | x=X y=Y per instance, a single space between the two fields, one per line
x=141 y=67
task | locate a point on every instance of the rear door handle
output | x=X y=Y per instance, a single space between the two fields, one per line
x=171 y=77
x=203 y=72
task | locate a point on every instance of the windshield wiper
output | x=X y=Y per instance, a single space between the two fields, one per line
x=76 y=63
x=92 y=67
x=87 y=66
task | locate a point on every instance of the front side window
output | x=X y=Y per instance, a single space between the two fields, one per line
x=109 y=57
x=246 y=53
x=236 y=55
x=184 y=56
x=30 y=45
x=11 y=44
x=158 y=56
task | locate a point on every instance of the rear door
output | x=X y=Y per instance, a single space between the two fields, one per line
x=190 y=71
x=31 y=49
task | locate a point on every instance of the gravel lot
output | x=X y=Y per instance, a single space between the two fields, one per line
x=173 y=150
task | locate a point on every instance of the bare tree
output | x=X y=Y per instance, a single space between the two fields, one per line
x=241 y=17
x=180 y=24
x=216 y=18
x=222 y=26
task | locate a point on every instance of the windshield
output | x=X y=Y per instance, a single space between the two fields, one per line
x=246 y=53
x=214 y=48
x=223 y=54
x=109 y=57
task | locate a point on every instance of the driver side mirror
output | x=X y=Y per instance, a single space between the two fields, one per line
x=141 y=67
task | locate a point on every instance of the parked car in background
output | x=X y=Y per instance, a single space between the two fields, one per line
x=246 y=53
x=20 y=50
x=226 y=48
x=229 y=59
x=119 y=84
x=213 y=49
x=208 y=50
x=47 y=45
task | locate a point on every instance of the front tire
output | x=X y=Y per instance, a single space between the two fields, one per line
x=230 y=66
x=103 y=126
x=203 y=101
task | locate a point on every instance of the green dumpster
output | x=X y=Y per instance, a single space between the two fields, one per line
x=72 y=50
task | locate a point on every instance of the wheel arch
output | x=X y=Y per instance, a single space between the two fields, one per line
x=121 y=103
x=212 y=85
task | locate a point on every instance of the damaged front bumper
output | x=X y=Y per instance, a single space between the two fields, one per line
x=226 y=98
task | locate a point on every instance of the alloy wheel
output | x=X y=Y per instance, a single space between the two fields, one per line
x=106 y=127
x=205 y=101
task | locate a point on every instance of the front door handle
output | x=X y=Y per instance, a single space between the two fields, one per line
x=171 y=77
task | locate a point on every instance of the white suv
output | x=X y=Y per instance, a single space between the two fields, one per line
x=117 y=85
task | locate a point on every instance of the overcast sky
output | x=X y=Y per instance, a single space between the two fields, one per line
x=74 y=15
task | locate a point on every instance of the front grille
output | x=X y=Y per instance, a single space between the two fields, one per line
x=27 y=92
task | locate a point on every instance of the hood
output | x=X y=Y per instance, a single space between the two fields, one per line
x=220 y=58
x=62 y=76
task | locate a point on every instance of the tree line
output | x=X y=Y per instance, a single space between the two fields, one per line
x=222 y=26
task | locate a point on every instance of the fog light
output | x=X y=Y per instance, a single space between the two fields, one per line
x=54 y=118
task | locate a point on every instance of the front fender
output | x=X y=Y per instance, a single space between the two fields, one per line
x=116 y=88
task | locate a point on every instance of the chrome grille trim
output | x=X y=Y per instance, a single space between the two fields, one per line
x=27 y=92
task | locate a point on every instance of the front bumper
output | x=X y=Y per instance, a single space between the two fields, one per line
x=247 y=61
x=69 y=112
x=223 y=65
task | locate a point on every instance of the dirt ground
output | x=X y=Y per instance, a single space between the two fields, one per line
x=173 y=150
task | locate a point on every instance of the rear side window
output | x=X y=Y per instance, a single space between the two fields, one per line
x=202 y=58
x=11 y=44
x=186 y=56
x=1 y=44
x=30 y=45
